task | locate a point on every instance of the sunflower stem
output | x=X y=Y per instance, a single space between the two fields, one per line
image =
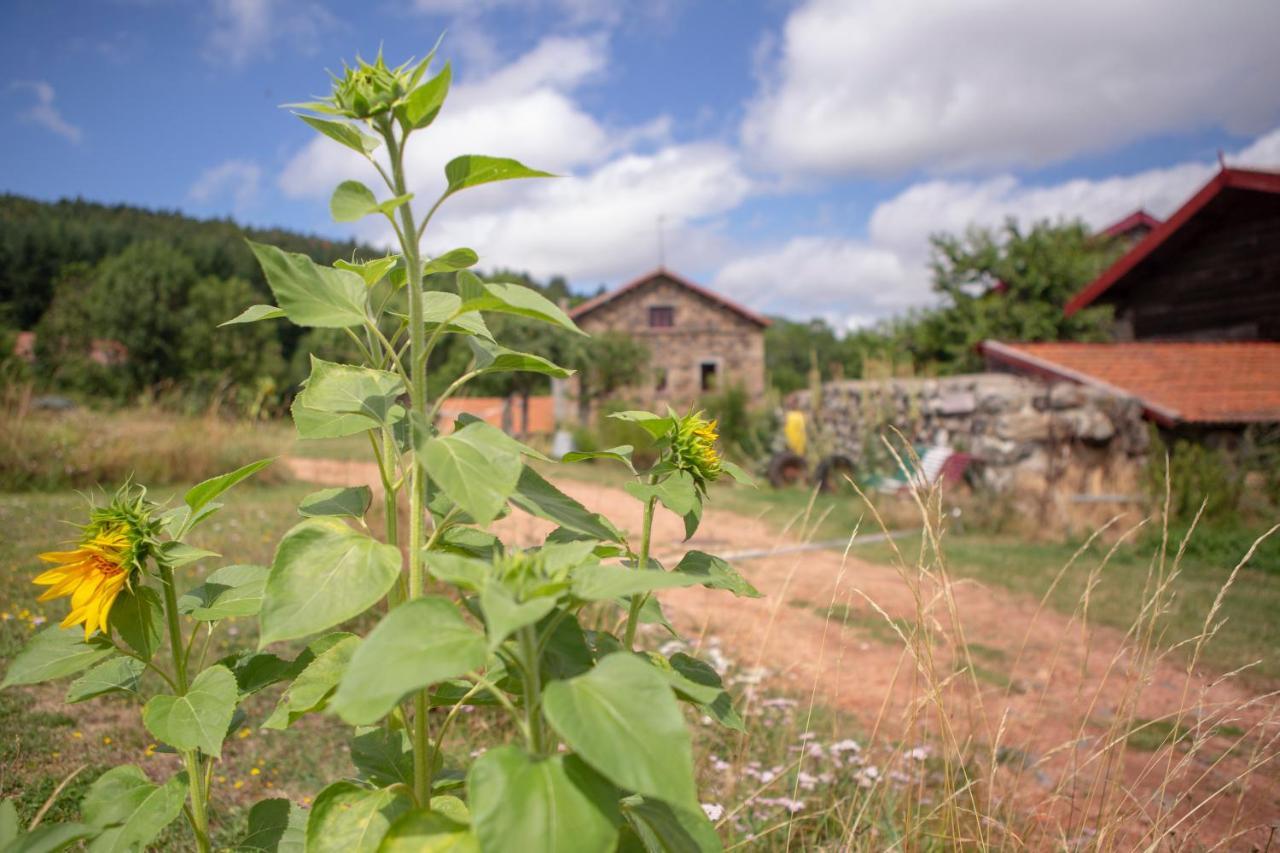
x=409 y=236
x=637 y=600
x=191 y=758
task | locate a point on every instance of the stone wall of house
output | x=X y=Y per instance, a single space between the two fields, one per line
x=703 y=331
x=1059 y=449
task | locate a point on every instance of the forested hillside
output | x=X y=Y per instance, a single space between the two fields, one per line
x=159 y=283
x=38 y=239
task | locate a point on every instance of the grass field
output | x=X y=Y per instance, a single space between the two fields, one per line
x=43 y=741
x=800 y=771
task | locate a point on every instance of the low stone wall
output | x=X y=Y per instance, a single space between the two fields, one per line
x=1058 y=448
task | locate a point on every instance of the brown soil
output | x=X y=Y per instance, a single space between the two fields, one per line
x=1039 y=675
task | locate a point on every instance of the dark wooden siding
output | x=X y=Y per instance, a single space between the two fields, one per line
x=1220 y=280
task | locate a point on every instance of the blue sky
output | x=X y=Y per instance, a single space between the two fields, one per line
x=798 y=154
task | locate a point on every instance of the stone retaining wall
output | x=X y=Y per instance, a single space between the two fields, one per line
x=1055 y=447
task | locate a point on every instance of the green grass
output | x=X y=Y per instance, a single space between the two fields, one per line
x=1152 y=735
x=863 y=620
x=42 y=741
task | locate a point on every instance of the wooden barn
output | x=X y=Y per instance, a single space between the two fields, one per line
x=1211 y=272
x=1197 y=314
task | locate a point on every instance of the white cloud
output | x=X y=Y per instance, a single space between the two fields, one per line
x=604 y=225
x=880 y=86
x=848 y=281
x=44 y=113
x=524 y=110
x=600 y=221
x=247 y=29
x=572 y=12
x=238 y=180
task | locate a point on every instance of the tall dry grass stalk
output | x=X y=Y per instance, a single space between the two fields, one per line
x=1100 y=739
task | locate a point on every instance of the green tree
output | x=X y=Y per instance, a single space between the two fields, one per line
x=1011 y=285
x=241 y=354
x=606 y=363
x=65 y=339
x=791 y=346
x=136 y=299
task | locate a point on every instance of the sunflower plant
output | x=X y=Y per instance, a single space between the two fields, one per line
x=601 y=758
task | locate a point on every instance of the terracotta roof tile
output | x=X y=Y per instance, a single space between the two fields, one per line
x=1174 y=381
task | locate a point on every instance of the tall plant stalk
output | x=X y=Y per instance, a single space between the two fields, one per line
x=409 y=238
x=198 y=812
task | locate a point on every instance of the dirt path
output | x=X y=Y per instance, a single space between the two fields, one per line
x=1043 y=691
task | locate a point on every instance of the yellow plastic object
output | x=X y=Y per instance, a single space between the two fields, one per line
x=793 y=429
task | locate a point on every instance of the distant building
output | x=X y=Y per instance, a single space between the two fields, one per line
x=103 y=351
x=1211 y=272
x=699 y=341
x=1197 y=313
x=1133 y=228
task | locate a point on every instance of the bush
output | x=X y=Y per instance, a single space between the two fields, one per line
x=1198 y=475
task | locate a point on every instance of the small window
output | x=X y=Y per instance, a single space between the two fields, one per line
x=661 y=316
x=659 y=379
x=708 y=371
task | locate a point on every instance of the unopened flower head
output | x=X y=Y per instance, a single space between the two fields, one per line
x=526 y=575
x=693 y=448
x=370 y=89
x=112 y=547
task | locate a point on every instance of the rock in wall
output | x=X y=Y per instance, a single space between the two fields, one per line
x=1053 y=446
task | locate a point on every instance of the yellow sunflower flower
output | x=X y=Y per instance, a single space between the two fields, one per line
x=113 y=546
x=92 y=575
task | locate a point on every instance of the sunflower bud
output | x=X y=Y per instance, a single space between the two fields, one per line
x=693 y=448
x=526 y=575
x=112 y=547
x=369 y=90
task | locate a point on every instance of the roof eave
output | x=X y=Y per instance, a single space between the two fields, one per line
x=1013 y=357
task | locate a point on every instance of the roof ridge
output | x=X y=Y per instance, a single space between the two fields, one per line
x=661 y=271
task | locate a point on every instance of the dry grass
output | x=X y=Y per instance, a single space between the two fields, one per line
x=83 y=448
x=967 y=755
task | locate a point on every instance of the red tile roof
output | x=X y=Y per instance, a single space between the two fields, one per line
x=1226 y=179
x=1176 y=382
x=1139 y=219
x=541 y=413
x=661 y=272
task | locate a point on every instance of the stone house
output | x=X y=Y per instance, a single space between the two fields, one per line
x=699 y=342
